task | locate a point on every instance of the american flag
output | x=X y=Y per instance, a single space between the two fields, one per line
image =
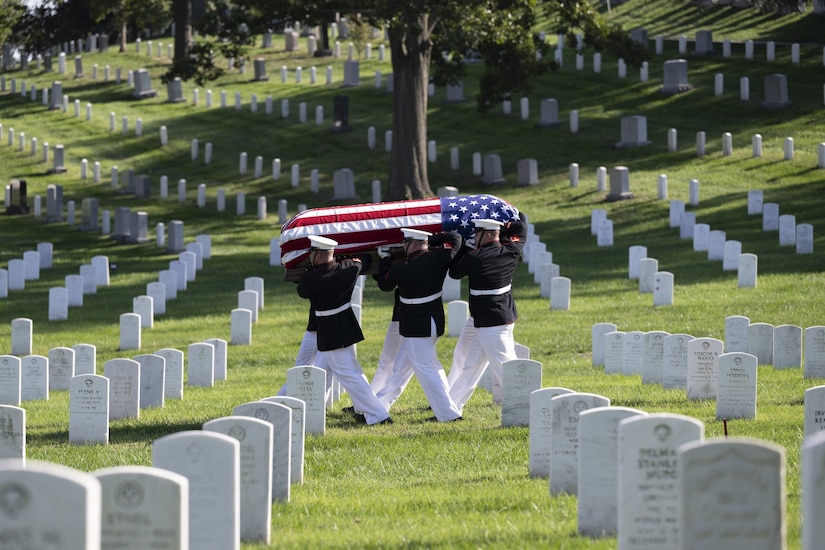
x=363 y=227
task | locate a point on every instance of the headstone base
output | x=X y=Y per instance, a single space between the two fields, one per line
x=145 y=94
x=671 y=90
x=613 y=197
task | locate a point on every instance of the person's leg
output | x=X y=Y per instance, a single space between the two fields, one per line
x=464 y=384
x=498 y=347
x=401 y=375
x=431 y=376
x=345 y=367
x=386 y=361
x=465 y=341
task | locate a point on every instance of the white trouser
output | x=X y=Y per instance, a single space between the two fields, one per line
x=419 y=355
x=466 y=340
x=386 y=361
x=493 y=344
x=343 y=364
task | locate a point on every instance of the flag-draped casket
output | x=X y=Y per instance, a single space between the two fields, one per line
x=361 y=228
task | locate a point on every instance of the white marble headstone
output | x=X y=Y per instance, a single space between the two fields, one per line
x=813 y=492
x=298 y=408
x=280 y=418
x=815 y=352
x=787 y=347
x=210 y=461
x=597 y=341
x=703 y=367
x=173 y=372
x=11 y=379
x=201 y=365
x=152 y=380
x=21 y=336
x=564 y=438
x=814 y=410
x=653 y=357
x=520 y=377
x=89 y=409
x=736 y=333
x=649 y=477
x=85 y=359
x=129 y=331
x=13 y=433
x=736 y=397
x=598 y=483
x=675 y=361
x=240 y=328
x=144 y=307
x=158 y=497
x=124 y=388
x=220 y=357
x=49 y=506
x=255 y=438
x=308 y=384
x=634 y=254
x=35 y=377
x=541 y=429
x=633 y=352
x=760 y=342
x=61 y=368
x=732 y=494
x=613 y=351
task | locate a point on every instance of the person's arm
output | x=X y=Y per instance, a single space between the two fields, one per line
x=385 y=277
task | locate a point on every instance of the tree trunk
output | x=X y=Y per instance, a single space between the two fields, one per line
x=123 y=37
x=411 y=53
x=182 y=15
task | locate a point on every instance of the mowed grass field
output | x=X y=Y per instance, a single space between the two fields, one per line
x=416 y=484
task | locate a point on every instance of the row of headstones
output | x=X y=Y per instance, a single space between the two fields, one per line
x=646 y=477
x=182 y=501
x=634 y=134
x=144 y=381
x=580 y=456
x=705 y=367
x=780 y=346
x=91 y=275
x=605 y=455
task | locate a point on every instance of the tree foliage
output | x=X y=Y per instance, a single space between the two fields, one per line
x=140 y=14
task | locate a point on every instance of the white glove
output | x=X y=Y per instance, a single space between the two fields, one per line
x=383 y=252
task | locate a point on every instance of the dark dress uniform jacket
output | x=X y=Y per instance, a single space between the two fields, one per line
x=328 y=287
x=492 y=267
x=421 y=275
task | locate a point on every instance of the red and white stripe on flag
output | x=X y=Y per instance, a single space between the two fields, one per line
x=357 y=228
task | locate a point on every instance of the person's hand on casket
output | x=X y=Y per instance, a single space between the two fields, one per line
x=383 y=252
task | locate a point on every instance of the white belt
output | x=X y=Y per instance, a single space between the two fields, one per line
x=491 y=292
x=328 y=312
x=418 y=301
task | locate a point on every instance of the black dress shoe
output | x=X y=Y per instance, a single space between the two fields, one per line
x=387 y=420
x=360 y=418
x=350 y=410
x=435 y=419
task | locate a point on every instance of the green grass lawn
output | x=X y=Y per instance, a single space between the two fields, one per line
x=416 y=484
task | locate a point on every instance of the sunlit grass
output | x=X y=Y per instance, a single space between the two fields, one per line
x=415 y=483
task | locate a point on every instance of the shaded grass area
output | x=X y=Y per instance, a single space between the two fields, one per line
x=415 y=484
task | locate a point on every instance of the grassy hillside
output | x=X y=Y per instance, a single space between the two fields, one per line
x=415 y=483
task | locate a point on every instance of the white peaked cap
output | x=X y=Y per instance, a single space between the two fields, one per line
x=415 y=234
x=322 y=243
x=488 y=224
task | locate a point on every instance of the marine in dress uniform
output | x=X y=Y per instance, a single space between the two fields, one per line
x=419 y=280
x=329 y=289
x=490 y=268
